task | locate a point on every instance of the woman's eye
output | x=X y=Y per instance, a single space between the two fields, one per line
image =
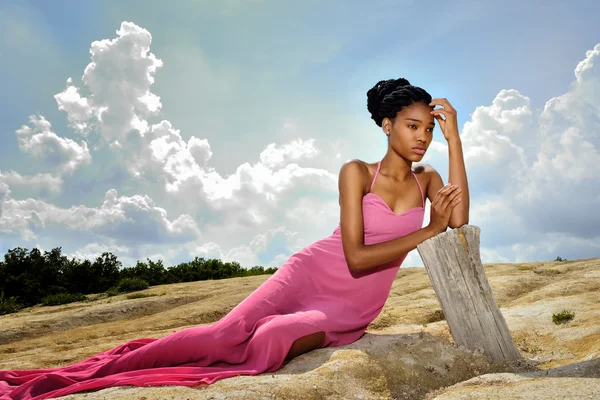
x=414 y=126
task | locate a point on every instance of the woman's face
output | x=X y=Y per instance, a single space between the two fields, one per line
x=412 y=131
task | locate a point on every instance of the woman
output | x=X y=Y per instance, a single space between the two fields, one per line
x=324 y=295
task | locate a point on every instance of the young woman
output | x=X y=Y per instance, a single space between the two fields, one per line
x=324 y=295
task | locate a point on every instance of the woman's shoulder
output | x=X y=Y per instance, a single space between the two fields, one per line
x=357 y=173
x=423 y=168
x=358 y=169
x=425 y=173
x=362 y=165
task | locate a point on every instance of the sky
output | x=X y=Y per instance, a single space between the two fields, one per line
x=216 y=129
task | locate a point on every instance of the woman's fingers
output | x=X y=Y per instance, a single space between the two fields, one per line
x=438 y=196
x=449 y=196
x=442 y=192
x=446 y=199
x=454 y=194
x=454 y=197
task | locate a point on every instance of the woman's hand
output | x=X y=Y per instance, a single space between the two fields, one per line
x=441 y=207
x=449 y=125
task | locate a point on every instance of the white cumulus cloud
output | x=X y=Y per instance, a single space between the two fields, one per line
x=57 y=152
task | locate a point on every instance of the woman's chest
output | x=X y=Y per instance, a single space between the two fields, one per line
x=381 y=224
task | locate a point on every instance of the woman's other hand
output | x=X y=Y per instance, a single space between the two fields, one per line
x=442 y=205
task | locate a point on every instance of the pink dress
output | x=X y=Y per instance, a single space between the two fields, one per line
x=312 y=292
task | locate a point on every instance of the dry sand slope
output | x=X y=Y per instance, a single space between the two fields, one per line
x=407 y=352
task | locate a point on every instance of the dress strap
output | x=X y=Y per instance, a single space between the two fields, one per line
x=375 y=177
x=422 y=196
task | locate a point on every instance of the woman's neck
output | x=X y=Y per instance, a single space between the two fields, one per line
x=395 y=167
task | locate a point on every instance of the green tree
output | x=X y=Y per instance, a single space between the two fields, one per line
x=79 y=276
x=106 y=271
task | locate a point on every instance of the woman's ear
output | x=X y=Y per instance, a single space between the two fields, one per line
x=386 y=126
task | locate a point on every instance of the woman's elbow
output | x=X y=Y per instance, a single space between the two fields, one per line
x=352 y=261
x=458 y=224
x=352 y=266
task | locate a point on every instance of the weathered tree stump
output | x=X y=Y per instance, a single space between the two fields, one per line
x=453 y=263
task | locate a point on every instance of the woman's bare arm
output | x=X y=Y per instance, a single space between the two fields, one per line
x=458 y=176
x=353 y=181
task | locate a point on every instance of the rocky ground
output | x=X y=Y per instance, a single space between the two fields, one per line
x=407 y=352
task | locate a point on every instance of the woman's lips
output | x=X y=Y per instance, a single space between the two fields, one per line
x=418 y=151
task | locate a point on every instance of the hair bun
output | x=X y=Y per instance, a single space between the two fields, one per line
x=401 y=82
x=388 y=97
x=376 y=94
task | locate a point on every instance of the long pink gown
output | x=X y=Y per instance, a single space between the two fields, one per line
x=312 y=292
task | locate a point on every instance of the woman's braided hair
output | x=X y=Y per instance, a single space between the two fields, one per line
x=388 y=97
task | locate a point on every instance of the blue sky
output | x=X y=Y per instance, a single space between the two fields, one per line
x=261 y=103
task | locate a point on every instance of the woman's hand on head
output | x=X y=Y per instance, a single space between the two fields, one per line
x=442 y=205
x=448 y=124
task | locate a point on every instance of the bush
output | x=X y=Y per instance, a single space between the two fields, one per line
x=140 y=295
x=9 y=305
x=549 y=271
x=92 y=298
x=126 y=285
x=563 y=317
x=62 y=298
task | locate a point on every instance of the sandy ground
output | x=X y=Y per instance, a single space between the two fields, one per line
x=407 y=352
